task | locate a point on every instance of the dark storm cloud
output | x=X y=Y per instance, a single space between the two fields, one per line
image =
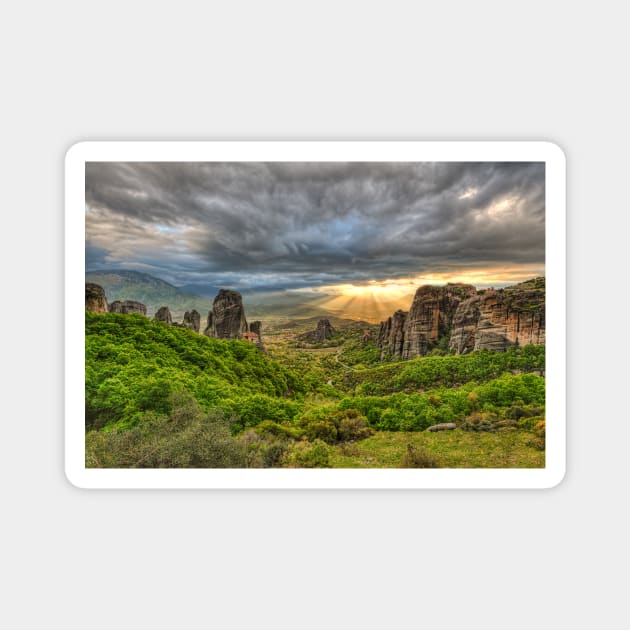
x=302 y=224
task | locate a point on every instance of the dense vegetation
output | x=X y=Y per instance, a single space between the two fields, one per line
x=134 y=365
x=161 y=396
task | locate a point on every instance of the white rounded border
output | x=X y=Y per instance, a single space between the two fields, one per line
x=325 y=151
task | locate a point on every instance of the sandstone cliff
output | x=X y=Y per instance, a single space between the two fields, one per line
x=127 y=306
x=496 y=320
x=391 y=335
x=461 y=319
x=406 y=335
x=95 y=300
x=227 y=320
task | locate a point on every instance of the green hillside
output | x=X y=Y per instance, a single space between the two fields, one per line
x=162 y=396
x=134 y=365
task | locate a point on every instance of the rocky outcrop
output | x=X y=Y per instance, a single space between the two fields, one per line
x=412 y=334
x=226 y=320
x=323 y=332
x=498 y=319
x=192 y=320
x=391 y=335
x=127 y=307
x=164 y=315
x=460 y=318
x=95 y=300
x=256 y=328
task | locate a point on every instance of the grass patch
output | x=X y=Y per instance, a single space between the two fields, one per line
x=451 y=449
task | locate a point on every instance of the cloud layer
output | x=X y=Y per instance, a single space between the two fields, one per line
x=312 y=224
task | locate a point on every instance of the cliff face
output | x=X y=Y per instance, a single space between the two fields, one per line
x=227 y=320
x=430 y=317
x=496 y=320
x=95 y=300
x=391 y=335
x=406 y=335
x=127 y=306
x=457 y=317
x=192 y=320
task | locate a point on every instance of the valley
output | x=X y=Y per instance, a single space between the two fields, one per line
x=456 y=381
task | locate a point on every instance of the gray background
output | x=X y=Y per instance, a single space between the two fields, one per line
x=327 y=70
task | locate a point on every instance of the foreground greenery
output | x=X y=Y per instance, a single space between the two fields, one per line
x=161 y=396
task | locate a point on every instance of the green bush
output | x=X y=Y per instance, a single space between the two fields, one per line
x=353 y=426
x=186 y=438
x=332 y=425
x=306 y=454
x=263 y=451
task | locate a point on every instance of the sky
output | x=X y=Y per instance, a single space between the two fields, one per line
x=335 y=228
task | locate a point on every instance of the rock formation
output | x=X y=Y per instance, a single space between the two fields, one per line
x=323 y=332
x=406 y=335
x=496 y=320
x=164 y=315
x=127 y=306
x=192 y=320
x=430 y=317
x=391 y=335
x=95 y=300
x=226 y=320
x=256 y=328
x=460 y=318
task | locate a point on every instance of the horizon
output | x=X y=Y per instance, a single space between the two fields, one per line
x=353 y=235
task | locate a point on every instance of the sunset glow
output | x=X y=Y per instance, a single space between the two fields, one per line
x=375 y=300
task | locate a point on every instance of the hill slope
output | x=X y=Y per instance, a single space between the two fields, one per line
x=133 y=365
x=151 y=291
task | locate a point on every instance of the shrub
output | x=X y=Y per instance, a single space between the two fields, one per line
x=263 y=451
x=480 y=421
x=416 y=457
x=269 y=427
x=332 y=426
x=186 y=438
x=305 y=454
x=353 y=426
x=320 y=429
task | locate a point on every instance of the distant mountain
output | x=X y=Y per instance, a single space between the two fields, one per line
x=122 y=284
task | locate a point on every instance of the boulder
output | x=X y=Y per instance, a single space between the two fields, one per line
x=446 y=426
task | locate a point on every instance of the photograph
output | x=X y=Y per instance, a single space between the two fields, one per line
x=290 y=314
